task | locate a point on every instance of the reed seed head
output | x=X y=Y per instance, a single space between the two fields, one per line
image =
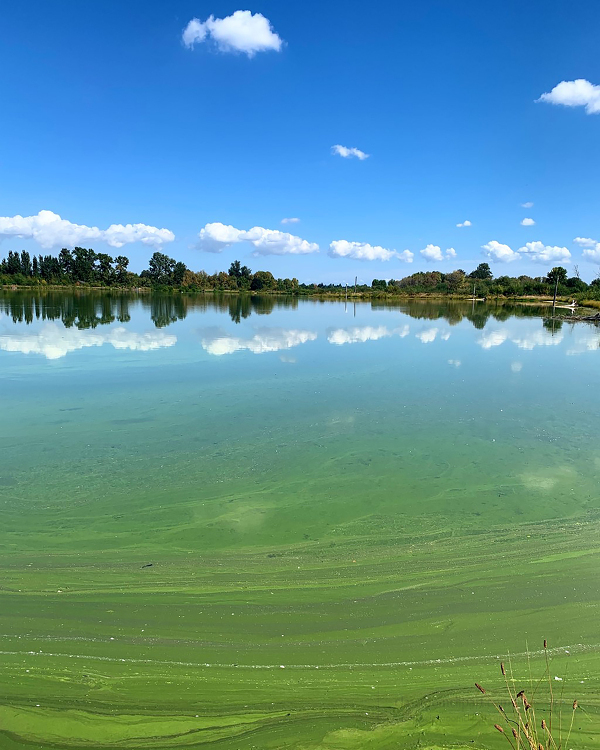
x=545 y=644
x=575 y=704
x=499 y=728
x=502 y=668
x=514 y=733
x=544 y=725
x=478 y=686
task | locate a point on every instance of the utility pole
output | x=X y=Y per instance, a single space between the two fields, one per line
x=355 y=280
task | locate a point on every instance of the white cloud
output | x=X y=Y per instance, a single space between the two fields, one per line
x=528 y=204
x=364 y=251
x=591 y=250
x=516 y=366
x=50 y=230
x=427 y=336
x=527 y=223
x=454 y=362
x=291 y=220
x=492 y=338
x=218 y=342
x=54 y=341
x=586 y=340
x=242 y=31
x=540 y=253
x=360 y=334
x=541 y=337
x=215 y=237
x=466 y=223
x=578 y=93
x=274 y=242
x=433 y=253
x=500 y=253
x=527 y=340
x=349 y=153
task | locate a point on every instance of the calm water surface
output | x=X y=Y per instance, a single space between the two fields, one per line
x=270 y=523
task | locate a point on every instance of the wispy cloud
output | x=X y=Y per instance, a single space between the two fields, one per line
x=50 y=230
x=291 y=220
x=349 y=153
x=528 y=204
x=242 y=31
x=577 y=93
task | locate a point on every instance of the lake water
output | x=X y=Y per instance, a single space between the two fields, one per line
x=261 y=523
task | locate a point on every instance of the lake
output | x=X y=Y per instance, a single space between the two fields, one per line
x=245 y=522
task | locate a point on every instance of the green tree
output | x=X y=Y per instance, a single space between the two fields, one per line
x=121 y=263
x=161 y=268
x=262 y=280
x=483 y=271
x=558 y=273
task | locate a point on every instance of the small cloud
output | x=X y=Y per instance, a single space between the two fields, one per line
x=499 y=253
x=433 y=254
x=528 y=204
x=454 y=362
x=527 y=223
x=242 y=31
x=427 y=336
x=364 y=251
x=291 y=220
x=578 y=93
x=516 y=366
x=466 y=223
x=349 y=153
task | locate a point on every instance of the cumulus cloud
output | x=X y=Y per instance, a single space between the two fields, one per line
x=364 y=251
x=218 y=342
x=360 y=334
x=527 y=222
x=528 y=204
x=540 y=253
x=466 y=223
x=591 y=248
x=349 y=153
x=291 y=220
x=500 y=253
x=50 y=230
x=433 y=253
x=274 y=242
x=578 y=93
x=54 y=341
x=585 y=340
x=242 y=31
x=215 y=237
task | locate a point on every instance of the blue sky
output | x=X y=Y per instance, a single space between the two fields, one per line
x=109 y=118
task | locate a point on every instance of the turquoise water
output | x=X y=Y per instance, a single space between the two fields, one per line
x=310 y=483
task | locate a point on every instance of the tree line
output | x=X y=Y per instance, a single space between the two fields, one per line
x=84 y=266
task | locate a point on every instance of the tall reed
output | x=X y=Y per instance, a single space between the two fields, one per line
x=520 y=725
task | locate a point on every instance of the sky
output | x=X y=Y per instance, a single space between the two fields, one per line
x=317 y=140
